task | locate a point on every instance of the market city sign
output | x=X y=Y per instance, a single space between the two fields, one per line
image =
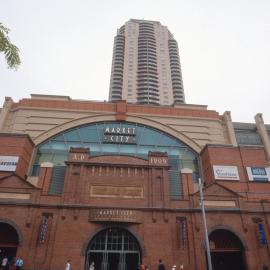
x=226 y=172
x=122 y=135
x=8 y=163
x=116 y=215
x=258 y=174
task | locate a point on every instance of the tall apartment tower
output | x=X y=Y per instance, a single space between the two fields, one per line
x=146 y=67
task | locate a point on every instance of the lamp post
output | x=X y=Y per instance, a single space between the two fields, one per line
x=205 y=227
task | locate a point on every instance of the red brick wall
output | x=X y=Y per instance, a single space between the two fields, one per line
x=69 y=227
x=241 y=157
x=17 y=145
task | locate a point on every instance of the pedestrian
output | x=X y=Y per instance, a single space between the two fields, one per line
x=4 y=263
x=19 y=263
x=174 y=267
x=161 y=265
x=68 y=265
x=181 y=267
x=92 y=266
x=146 y=268
x=142 y=267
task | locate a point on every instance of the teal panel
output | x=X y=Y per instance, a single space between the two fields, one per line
x=72 y=136
x=175 y=183
x=57 y=183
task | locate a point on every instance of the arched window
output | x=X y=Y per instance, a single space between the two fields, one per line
x=147 y=139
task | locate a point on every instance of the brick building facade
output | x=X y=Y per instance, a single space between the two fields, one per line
x=117 y=184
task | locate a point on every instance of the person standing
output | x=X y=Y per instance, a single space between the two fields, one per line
x=19 y=263
x=68 y=265
x=161 y=265
x=4 y=263
x=142 y=267
x=92 y=266
x=174 y=267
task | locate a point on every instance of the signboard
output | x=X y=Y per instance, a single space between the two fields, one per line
x=114 y=215
x=122 y=135
x=112 y=191
x=258 y=174
x=226 y=172
x=8 y=163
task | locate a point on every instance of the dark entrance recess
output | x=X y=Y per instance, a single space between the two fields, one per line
x=113 y=249
x=227 y=251
x=9 y=241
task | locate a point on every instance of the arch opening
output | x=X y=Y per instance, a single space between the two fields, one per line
x=113 y=248
x=227 y=251
x=9 y=241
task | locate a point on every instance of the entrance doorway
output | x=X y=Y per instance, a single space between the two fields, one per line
x=113 y=249
x=9 y=241
x=227 y=251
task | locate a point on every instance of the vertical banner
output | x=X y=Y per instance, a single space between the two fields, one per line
x=43 y=229
x=181 y=232
x=262 y=237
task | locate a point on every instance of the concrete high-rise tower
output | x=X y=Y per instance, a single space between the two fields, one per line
x=146 y=67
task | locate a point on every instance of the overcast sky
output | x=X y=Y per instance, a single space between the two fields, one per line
x=66 y=49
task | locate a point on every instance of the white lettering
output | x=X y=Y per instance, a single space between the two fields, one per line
x=156 y=160
x=119 y=130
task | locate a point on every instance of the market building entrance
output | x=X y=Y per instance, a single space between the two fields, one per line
x=227 y=251
x=9 y=241
x=113 y=249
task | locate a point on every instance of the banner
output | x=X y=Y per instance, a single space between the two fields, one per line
x=262 y=238
x=182 y=231
x=43 y=229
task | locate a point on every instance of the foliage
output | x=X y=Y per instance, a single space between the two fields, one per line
x=10 y=51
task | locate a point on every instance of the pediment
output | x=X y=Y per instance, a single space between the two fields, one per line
x=218 y=190
x=217 y=196
x=15 y=182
